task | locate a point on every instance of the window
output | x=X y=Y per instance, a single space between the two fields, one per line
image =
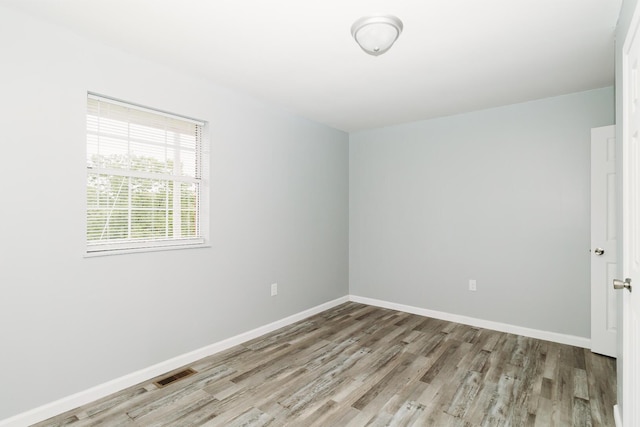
x=144 y=178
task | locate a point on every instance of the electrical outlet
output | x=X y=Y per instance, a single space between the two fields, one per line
x=274 y=289
x=472 y=285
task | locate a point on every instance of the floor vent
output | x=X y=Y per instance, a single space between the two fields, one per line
x=174 y=377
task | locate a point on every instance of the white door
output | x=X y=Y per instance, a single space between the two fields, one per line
x=631 y=225
x=603 y=241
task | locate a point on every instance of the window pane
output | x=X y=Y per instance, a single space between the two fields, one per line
x=135 y=161
x=189 y=194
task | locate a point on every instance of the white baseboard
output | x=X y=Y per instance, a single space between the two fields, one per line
x=87 y=396
x=616 y=415
x=480 y=323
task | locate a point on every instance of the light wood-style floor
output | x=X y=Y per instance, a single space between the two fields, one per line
x=357 y=365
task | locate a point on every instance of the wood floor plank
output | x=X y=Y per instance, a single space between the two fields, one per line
x=581 y=413
x=310 y=395
x=195 y=413
x=465 y=394
x=442 y=362
x=251 y=418
x=358 y=365
x=601 y=388
x=343 y=416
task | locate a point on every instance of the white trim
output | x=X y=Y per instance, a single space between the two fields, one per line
x=480 y=323
x=87 y=396
x=616 y=416
x=101 y=249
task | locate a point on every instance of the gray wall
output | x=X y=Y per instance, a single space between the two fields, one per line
x=499 y=195
x=279 y=213
x=624 y=22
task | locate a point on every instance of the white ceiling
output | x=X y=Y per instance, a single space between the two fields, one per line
x=453 y=55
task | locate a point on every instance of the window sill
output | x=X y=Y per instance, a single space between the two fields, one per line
x=112 y=252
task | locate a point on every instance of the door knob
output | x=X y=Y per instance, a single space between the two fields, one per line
x=599 y=251
x=619 y=284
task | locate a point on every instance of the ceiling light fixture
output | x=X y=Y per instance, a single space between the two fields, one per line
x=376 y=34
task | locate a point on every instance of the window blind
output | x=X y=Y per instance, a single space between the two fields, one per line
x=144 y=177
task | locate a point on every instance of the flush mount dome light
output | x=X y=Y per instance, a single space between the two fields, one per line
x=376 y=34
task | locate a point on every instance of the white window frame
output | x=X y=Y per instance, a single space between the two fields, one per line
x=129 y=245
